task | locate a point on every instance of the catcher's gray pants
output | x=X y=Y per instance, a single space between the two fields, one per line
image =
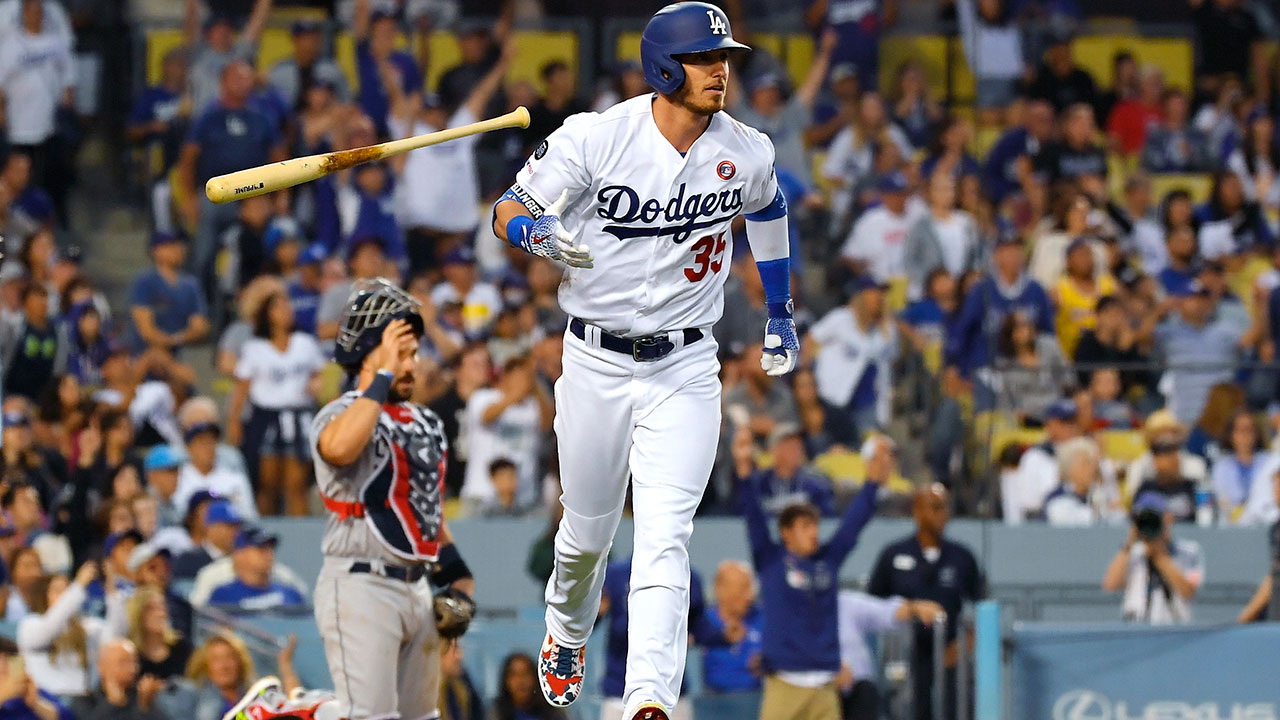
x=380 y=641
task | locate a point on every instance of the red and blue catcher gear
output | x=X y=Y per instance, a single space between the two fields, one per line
x=680 y=29
x=403 y=498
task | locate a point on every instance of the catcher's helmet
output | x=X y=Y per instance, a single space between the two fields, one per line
x=678 y=29
x=372 y=305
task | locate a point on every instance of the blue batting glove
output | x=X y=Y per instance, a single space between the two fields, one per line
x=547 y=238
x=781 y=344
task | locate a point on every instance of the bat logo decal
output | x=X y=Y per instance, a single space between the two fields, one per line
x=250 y=188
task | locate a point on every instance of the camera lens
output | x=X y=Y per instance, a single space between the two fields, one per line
x=1148 y=523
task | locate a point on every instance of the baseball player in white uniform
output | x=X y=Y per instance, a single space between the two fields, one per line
x=380 y=464
x=637 y=201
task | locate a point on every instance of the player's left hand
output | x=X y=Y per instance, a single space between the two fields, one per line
x=453 y=610
x=548 y=238
x=781 y=347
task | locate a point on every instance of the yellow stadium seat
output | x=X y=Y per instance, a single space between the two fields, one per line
x=286 y=16
x=931 y=52
x=1023 y=436
x=160 y=42
x=1121 y=446
x=276 y=45
x=895 y=298
x=825 y=186
x=1095 y=53
x=628 y=47
x=984 y=138
x=1197 y=184
x=771 y=43
x=799 y=57
x=331 y=379
x=846 y=468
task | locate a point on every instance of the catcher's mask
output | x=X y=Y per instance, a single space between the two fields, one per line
x=372 y=305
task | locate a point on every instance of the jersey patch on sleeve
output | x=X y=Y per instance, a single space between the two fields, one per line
x=540 y=151
x=533 y=206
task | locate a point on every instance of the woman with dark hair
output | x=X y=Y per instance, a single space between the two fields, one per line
x=1069 y=221
x=950 y=150
x=1257 y=160
x=36 y=256
x=87 y=345
x=1242 y=462
x=1230 y=223
x=1030 y=372
x=277 y=375
x=60 y=414
x=518 y=698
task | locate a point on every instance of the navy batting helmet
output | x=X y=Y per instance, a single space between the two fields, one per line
x=679 y=29
x=372 y=305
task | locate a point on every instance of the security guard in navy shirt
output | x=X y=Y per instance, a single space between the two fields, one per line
x=927 y=566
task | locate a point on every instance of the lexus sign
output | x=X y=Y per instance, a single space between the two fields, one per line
x=1085 y=704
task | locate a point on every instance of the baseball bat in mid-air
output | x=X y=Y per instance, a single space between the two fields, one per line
x=280 y=175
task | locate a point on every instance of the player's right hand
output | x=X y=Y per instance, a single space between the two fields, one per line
x=547 y=238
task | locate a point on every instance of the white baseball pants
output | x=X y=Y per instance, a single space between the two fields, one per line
x=659 y=423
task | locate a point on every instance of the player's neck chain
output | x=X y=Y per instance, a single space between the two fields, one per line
x=622 y=204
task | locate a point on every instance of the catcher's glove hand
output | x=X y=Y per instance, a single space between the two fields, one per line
x=454 y=610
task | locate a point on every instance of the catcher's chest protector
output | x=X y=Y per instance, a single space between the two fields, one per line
x=403 y=496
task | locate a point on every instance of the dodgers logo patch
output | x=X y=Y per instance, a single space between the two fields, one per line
x=540 y=151
x=726 y=169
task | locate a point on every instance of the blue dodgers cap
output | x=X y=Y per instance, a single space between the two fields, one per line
x=165 y=238
x=863 y=282
x=1064 y=410
x=163 y=457
x=892 y=182
x=1151 y=501
x=222 y=512
x=460 y=255
x=305 y=25
x=281 y=229
x=115 y=539
x=255 y=537
x=315 y=254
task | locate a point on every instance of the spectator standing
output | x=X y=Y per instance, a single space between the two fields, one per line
x=972 y=338
x=253 y=587
x=166 y=305
x=366 y=259
x=20 y=697
x=122 y=694
x=801 y=649
x=471 y=371
x=1257 y=160
x=158 y=122
x=993 y=46
x=554 y=107
x=481 y=302
x=854 y=347
x=1229 y=39
x=37 y=352
x=944 y=238
x=765 y=107
x=277 y=375
x=1011 y=163
x=1128 y=119
x=734 y=667
x=928 y=566
x=438 y=193
x=36 y=78
x=509 y=420
x=1077 y=156
x=858 y=26
x=1198 y=351
x=851 y=156
x=215 y=44
x=1060 y=81
x=862 y=615
x=911 y=106
x=788 y=481
x=1159 y=574
x=877 y=243
x=376 y=32
x=294 y=76
x=229 y=134
x=1172 y=144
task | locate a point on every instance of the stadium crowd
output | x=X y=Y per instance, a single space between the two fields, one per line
x=1038 y=327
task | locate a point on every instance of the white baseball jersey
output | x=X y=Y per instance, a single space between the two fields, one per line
x=656 y=221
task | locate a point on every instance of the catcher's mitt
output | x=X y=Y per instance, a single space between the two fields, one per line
x=454 y=610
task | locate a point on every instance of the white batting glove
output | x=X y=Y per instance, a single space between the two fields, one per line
x=781 y=347
x=547 y=238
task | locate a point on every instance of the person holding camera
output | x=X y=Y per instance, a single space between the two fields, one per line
x=1158 y=573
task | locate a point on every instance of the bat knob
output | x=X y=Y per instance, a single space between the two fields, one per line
x=522 y=115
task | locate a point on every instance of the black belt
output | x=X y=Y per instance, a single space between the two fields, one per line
x=403 y=573
x=645 y=349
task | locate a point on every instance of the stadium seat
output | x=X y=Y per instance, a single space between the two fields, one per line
x=1198 y=184
x=1121 y=446
x=1174 y=56
x=799 y=57
x=331 y=379
x=1023 y=436
x=276 y=45
x=935 y=54
x=159 y=42
x=848 y=470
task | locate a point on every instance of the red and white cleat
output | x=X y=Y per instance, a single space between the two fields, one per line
x=560 y=672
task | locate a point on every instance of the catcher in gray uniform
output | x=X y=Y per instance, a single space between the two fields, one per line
x=380 y=464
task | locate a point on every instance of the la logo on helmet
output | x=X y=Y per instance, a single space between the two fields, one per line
x=718 y=26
